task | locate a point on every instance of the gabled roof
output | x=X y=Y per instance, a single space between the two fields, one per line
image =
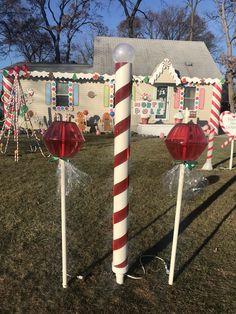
x=55 y=67
x=189 y=58
x=165 y=65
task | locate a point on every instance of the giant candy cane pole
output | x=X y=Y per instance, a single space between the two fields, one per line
x=213 y=123
x=7 y=84
x=123 y=56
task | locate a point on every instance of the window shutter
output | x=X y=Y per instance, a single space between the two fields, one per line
x=76 y=94
x=106 y=95
x=48 y=93
x=177 y=99
x=201 y=97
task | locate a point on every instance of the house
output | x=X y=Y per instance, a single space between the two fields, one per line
x=168 y=77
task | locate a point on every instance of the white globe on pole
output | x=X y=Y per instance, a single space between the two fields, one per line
x=123 y=53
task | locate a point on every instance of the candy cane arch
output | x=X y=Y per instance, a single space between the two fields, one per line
x=213 y=123
x=122 y=55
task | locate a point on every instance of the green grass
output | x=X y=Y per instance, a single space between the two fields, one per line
x=30 y=250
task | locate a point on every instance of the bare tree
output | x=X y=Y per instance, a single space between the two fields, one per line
x=151 y=27
x=172 y=23
x=86 y=49
x=192 y=5
x=64 y=21
x=9 y=11
x=124 y=28
x=226 y=14
x=131 y=8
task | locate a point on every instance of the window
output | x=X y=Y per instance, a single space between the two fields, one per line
x=62 y=94
x=189 y=98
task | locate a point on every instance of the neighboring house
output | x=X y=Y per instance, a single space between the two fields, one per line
x=168 y=76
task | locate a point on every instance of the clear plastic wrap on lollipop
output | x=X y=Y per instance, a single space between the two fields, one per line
x=74 y=178
x=194 y=182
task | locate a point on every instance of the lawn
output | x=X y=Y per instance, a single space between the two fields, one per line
x=30 y=251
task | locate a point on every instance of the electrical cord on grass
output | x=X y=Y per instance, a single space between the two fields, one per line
x=143 y=268
x=80 y=277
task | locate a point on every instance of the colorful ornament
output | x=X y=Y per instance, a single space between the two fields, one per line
x=30 y=92
x=95 y=76
x=146 y=79
x=74 y=77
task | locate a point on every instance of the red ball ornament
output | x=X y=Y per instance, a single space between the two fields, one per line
x=63 y=139
x=186 y=141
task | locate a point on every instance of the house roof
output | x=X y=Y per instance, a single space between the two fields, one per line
x=55 y=67
x=190 y=58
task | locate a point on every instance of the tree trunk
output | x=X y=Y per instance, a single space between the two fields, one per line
x=57 y=52
x=68 y=45
x=229 y=57
x=191 y=26
x=231 y=91
x=131 y=27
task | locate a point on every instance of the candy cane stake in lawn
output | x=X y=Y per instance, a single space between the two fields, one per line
x=123 y=55
x=213 y=122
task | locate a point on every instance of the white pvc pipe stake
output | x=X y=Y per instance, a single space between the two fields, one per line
x=120 y=278
x=176 y=225
x=186 y=115
x=63 y=224
x=231 y=155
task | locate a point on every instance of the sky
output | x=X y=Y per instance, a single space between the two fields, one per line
x=113 y=14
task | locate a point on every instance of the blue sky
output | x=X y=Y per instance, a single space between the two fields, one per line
x=113 y=14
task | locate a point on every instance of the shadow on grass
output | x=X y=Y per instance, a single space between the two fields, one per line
x=223 y=161
x=87 y=272
x=204 y=243
x=212 y=179
x=167 y=239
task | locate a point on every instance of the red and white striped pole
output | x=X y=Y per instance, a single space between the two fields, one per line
x=213 y=123
x=123 y=56
x=7 y=84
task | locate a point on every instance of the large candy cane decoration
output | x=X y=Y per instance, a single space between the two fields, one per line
x=123 y=54
x=213 y=123
x=11 y=102
x=7 y=84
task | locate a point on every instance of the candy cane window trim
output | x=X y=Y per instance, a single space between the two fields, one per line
x=181 y=99
x=58 y=107
x=112 y=95
x=196 y=100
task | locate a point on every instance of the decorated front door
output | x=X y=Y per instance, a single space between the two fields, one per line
x=161 y=108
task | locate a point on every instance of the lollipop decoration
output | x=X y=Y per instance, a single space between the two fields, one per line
x=185 y=142
x=63 y=140
x=123 y=55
